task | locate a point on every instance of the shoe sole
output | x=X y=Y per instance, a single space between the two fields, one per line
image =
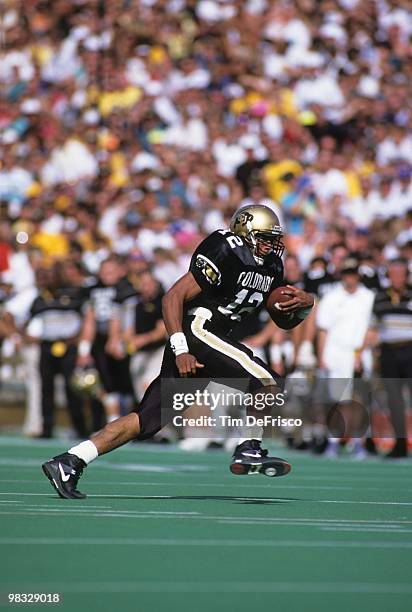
x=272 y=470
x=56 y=484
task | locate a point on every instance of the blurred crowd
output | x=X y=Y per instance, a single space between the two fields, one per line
x=134 y=128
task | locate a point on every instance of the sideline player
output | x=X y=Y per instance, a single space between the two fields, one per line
x=104 y=297
x=231 y=274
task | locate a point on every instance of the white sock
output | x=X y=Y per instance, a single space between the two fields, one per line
x=333 y=443
x=357 y=444
x=255 y=432
x=110 y=400
x=85 y=450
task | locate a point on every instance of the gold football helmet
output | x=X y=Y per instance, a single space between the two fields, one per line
x=260 y=228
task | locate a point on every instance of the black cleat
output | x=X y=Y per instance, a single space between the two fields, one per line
x=319 y=445
x=399 y=450
x=250 y=458
x=370 y=446
x=64 y=472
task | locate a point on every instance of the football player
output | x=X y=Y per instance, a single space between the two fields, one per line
x=104 y=297
x=231 y=274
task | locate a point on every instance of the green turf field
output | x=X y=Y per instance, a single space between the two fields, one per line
x=164 y=530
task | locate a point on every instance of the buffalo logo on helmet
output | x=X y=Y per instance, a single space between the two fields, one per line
x=243 y=219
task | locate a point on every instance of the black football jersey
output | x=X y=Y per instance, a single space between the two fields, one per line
x=370 y=277
x=125 y=301
x=60 y=313
x=126 y=290
x=233 y=284
x=101 y=298
x=319 y=282
x=146 y=316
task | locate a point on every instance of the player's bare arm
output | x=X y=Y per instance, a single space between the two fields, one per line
x=321 y=347
x=263 y=337
x=114 y=345
x=139 y=341
x=86 y=338
x=184 y=290
x=7 y=325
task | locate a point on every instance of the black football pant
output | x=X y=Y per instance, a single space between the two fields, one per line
x=114 y=377
x=396 y=372
x=50 y=366
x=222 y=357
x=114 y=373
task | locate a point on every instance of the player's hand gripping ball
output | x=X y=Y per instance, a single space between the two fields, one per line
x=287 y=300
x=278 y=296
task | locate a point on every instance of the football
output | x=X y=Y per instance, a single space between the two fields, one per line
x=276 y=297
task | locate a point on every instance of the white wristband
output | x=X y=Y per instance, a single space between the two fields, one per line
x=178 y=343
x=84 y=348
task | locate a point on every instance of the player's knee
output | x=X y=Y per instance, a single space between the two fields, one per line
x=133 y=424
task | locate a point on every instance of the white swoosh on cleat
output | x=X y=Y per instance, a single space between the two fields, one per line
x=254 y=455
x=65 y=477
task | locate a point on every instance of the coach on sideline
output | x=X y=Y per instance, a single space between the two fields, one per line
x=392 y=320
x=342 y=319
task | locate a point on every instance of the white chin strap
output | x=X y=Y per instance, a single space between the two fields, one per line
x=259 y=260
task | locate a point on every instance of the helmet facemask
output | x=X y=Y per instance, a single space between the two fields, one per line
x=263 y=244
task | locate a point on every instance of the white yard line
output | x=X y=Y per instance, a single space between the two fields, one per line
x=365 y=530
x=234 y=498
x=355 y=527
x=393 y=526
x=53 y=541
